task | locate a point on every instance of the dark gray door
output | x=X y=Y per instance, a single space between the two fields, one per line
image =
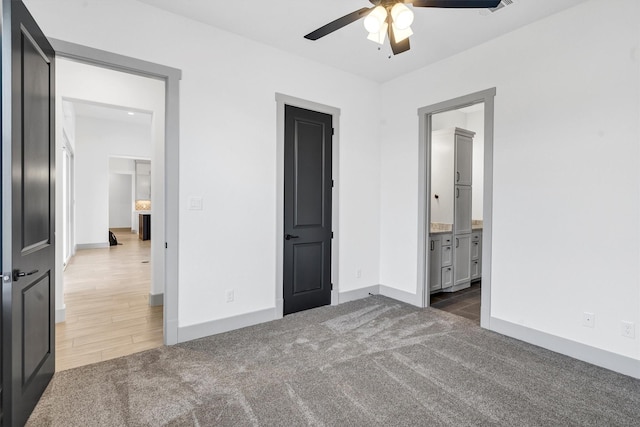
x=307 y=209
x=28 y=155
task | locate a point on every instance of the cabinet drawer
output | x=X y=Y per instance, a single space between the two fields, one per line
x=447 y=256
x=447 y=239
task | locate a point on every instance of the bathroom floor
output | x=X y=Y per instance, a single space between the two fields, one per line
x=465 y=303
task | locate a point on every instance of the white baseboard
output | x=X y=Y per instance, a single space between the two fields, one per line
x=358 y=294
x=102 y=245
x=192 y=332
x=61 y=314
x=156 y=299
x=399 y=295
x=596 y=356
x=280 y=308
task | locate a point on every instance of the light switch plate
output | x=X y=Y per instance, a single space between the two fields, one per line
x=195 y=203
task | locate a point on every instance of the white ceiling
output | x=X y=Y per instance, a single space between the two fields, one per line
x=438 y=33
x=108 y=112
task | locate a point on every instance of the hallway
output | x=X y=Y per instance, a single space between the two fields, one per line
x=106 y=298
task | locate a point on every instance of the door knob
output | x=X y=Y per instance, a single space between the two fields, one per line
x=289 y=237
x=18 y=273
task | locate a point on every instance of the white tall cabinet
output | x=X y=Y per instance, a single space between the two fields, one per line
x=452 y=153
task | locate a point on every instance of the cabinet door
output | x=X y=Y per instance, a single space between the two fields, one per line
x=447 y=277
x=476 y=269
x=463 y=160
x=434 y=264
x=462 y=210
x=462 y=259
x=447 y=256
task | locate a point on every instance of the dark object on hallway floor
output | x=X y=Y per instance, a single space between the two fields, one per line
x=113 y=241
x=465 y=303
x=371 y=362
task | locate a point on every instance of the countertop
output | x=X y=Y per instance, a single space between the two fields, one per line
x=441 y=228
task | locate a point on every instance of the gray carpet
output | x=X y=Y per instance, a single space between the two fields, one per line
x=373 y=362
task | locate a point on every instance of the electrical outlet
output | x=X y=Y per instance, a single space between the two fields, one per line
x=628 y=329
x=230 y=295
x=588 y=319
x=359 y=274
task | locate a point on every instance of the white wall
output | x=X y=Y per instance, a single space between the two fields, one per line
x=120 y=205
x=96 y=141
x=228 y=148
x=566 y=171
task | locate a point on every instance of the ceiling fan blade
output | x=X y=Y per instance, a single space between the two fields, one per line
x=338 y=23
x=459 y=4
x=397 y=47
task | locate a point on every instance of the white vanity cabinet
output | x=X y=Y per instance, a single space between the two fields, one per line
x=451 y=199
x=440 y=261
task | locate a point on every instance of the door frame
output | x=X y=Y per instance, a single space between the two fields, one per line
x=281 y=101
x=67 y=151
x=424 y=190
x=171 y=77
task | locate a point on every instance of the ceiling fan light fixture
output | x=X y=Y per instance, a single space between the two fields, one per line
x=402 y=16
x=401 y=34
x=380 y=36
x=375 y=20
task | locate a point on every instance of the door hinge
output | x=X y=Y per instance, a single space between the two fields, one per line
x=332 y=234
x=333 y=183
x=165 y=245
x=332 y=286
x=333 y=131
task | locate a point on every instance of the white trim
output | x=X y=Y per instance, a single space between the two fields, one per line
x=398 y=295
x=156 y=300
x=61 y=314
x=424 y=188
x=596 y=356
x=199 y=330
x=82 y=246
x=281 y=101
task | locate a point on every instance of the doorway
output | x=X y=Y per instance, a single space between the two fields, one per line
x=455 y=232
x=108 y=284
x=167 y=235
x=281 y=102
x=449 y=235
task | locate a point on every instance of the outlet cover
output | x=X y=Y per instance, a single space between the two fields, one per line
x=628 y=329
x=195 y=203
x=230 y=295
x=588 y=319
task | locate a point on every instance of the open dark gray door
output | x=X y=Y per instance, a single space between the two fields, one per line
x=307 y=209
x=28 y=158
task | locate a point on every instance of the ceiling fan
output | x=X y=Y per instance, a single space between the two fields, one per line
x=393 y=18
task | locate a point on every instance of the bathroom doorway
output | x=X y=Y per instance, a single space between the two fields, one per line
x=456 y=176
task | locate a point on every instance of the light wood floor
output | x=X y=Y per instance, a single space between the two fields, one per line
x=107 y=302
